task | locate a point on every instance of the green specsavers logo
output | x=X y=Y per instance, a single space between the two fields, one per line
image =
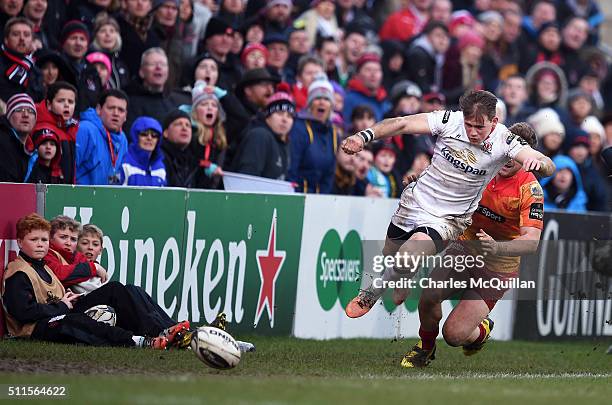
x=339 y=268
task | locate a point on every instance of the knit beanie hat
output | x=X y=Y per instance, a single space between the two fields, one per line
x=367 y=57
x=546 y=121
x=405 y=88
x=202 y=92
x=320 y=88
x=17 y=101
x=592 y=125
x=71 y=27
x=253 y=46
x=461 y=17
x=173 y=116
x=217 y=26
x=470 y=39
x=45 y=134
x=280 y=101
x=272 y=3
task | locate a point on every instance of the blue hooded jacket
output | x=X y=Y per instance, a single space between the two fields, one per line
x=579 y=201
x=313 y=159
x=142 y=168
x=93 y=155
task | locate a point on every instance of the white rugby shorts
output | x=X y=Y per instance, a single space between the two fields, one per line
x=409 y=215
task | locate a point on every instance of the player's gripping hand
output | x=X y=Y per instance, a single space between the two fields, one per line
x=353 y=144
x=487 y=243
x=531 y=165
x=409 y=178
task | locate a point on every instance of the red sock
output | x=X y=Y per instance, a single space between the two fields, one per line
x=482 y=335
x=428 y=338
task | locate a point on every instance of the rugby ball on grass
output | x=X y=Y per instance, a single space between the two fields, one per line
x=103 y=313
x=215 y=347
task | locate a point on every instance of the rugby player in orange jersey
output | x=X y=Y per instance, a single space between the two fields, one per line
x=508 y=223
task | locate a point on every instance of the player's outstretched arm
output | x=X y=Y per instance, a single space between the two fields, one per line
x=410 y=124
x=525 y=244
x=534 y=161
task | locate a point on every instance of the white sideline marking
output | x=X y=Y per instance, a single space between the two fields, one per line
x=491 y=376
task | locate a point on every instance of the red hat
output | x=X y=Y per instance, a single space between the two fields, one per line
x=45 y=133
x=581 y=140
x=367 y=57
x=470 y=39
x=253 y=46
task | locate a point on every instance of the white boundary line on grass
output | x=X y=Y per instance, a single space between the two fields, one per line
x=492 y=376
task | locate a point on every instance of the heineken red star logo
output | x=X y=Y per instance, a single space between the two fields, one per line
x=269 y=262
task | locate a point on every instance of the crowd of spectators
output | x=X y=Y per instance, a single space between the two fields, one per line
x=175 y=92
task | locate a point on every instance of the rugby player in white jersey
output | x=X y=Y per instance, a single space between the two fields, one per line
x=471 y=148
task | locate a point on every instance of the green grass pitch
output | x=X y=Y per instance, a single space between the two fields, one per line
x=288 y=370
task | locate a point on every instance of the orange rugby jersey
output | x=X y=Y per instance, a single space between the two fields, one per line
x=506 y=205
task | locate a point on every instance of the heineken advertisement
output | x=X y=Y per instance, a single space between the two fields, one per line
x=198 y=253
x=341 y=237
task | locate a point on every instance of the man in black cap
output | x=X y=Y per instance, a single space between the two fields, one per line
x=253 y=91
x=256 y=86
x=74 y=40
x=181 y=163
x=218 y=42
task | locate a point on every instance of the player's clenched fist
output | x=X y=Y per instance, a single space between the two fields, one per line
x=355 y=143
x=352 y=144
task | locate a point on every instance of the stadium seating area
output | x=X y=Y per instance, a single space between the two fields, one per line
x=178 y=92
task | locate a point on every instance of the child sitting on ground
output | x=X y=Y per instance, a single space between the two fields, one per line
x=37 y=305
x=70 y=266
x=90 y=245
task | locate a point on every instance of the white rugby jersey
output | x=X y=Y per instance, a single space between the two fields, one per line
x=460 y=171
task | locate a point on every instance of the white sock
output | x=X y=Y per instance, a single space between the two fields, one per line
x=138 y=340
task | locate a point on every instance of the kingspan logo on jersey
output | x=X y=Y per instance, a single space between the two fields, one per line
x=462 y=159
